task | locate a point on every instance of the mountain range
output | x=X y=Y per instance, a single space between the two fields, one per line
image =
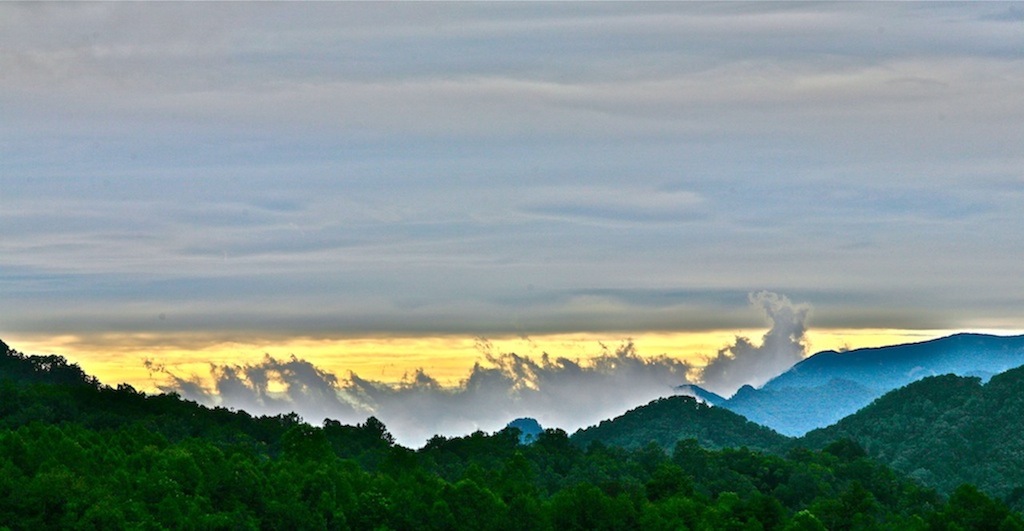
x=76 y=454
x=942 y=430
x=955 y=434
x=828 y=386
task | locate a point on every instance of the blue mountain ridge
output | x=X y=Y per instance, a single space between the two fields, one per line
x=829 y=385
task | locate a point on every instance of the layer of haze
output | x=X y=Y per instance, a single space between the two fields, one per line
x=206 y=174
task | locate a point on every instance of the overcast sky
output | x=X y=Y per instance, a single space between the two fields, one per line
x=417 y=168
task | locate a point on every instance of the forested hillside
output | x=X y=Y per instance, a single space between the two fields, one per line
x=77 y=455
x=668 y=420
x=946 y=430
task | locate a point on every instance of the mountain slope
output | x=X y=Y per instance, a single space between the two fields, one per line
x=48 y=390
x=702 y=395
x=667 y=420
x=828 y=386
x=944 y=431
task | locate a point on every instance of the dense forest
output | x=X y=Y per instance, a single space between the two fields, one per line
x=75 y=454
x=946 y=430
x=667 y=420
x=942 y=431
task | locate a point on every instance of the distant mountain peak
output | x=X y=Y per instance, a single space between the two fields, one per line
x=529 y=429
x=829 y=385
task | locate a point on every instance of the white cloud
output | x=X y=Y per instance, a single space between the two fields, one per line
x=557 y=391
x=744 y=363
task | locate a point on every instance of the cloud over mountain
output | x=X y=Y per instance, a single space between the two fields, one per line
x=557 y=391
x=744 y=363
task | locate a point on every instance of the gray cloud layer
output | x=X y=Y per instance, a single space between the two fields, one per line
x=507 y=168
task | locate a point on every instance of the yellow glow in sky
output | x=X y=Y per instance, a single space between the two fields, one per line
x=116 y=359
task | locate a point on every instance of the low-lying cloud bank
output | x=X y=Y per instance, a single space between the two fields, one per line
x=557 y=391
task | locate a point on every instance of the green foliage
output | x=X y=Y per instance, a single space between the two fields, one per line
x=969 y=509
x=78 y=455
x=945 y=431
x=667 y=420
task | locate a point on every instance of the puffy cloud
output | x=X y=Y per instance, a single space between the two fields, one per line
x=744 y=363
x=557 y=391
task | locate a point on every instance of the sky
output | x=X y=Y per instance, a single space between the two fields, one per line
x=203 y=183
